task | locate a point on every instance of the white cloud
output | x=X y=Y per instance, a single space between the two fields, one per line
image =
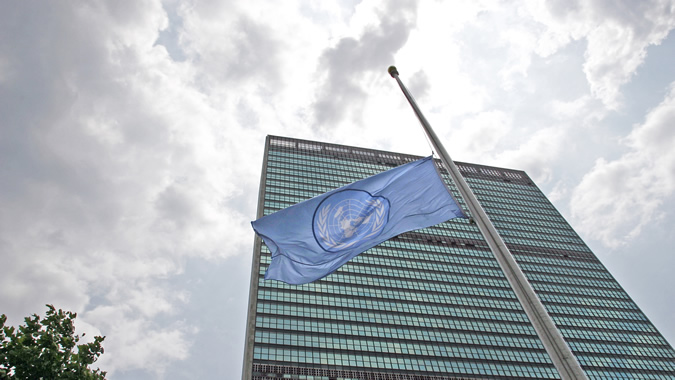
x=120 y=166
x=135 y=342
x=481 y=134
x=617 y=34
x=619 y=197
x=537 y=153
x=116 y=169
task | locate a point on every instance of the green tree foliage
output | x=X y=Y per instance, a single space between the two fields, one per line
x=45 y=349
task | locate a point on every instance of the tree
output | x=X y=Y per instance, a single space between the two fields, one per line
x=45 y=349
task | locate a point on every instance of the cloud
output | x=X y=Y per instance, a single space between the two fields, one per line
x=537 y=153
x=620 y=197
x=617 y=35
x=115 y=170
x=345 y=66
x=481 y=133
x=138 y=343
x=247 y=49
x=131 y=137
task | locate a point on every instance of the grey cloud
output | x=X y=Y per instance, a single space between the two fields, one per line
x=91 y=132
x=38 y=137
x=637 y=14
x=562 y=8
x=419 y=84
x=622 y=11
x=245 y=51
x=618 y=34
x=175 y=205
x=345 y=64
x=256 y=51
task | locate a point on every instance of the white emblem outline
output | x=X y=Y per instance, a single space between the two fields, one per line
x=323 y=236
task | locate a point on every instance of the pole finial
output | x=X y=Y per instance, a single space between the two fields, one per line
x=392 y=71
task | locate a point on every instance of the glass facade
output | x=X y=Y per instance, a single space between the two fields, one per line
x=434 y=303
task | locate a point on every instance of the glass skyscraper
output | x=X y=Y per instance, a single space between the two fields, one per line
x=434 y=303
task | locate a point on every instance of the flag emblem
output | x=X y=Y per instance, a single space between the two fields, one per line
x=313 y=238
x=347 y=217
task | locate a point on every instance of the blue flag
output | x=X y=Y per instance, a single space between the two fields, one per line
x=312 y=239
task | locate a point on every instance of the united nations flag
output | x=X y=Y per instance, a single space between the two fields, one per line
x=313 y=238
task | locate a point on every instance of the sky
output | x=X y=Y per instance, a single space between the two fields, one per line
x=132 y=135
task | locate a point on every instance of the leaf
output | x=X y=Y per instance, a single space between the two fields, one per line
x=45 y=348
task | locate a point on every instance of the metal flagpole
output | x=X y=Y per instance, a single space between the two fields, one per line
x=563 y=359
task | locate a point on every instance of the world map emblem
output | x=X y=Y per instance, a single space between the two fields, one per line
x=346 y=218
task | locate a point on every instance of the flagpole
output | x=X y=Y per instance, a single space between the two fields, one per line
x=561 y=355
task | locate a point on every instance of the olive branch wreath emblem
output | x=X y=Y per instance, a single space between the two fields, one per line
x=373 y=230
